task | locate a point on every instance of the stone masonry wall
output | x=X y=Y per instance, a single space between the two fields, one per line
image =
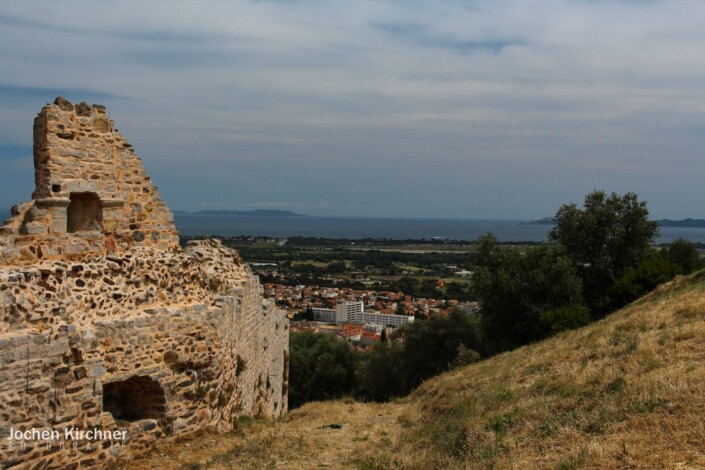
x=218 y=349
x=138 y=336
x=85 y=171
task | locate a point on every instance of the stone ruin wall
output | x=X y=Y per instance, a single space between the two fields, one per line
x=91 y=194
x=144 y=337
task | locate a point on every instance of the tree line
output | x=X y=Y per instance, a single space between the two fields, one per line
x=323 y=366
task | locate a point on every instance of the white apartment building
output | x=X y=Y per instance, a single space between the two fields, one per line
x=324 y=314
x=354 y=312
x=342 y=311
x=380 y=318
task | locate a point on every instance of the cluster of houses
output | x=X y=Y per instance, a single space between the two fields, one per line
x=359 y=316
x=360 y=335
x=295 y=299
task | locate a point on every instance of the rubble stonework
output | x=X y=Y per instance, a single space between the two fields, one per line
x=91 y=194
x=107 y=324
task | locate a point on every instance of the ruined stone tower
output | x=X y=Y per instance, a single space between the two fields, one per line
x=92 y=194
x=107 y=324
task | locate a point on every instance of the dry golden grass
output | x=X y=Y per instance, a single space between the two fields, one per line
x=625 y=392
x=317 y=435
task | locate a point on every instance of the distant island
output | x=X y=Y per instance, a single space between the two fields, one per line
x=544 y=221
x=696 y=223
x=251 y=213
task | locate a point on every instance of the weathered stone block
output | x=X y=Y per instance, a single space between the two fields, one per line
x=36 y=213
x=83 y=109
x=75 y=249
x=96 y=370
x=33 y=228
x=39 y=386
x=82 y=186
x=64 y=104
x=58 y=225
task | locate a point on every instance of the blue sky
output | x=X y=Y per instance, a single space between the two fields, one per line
x=458 y=109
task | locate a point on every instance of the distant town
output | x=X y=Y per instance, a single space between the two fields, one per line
x=357 y=289
x=359 y=316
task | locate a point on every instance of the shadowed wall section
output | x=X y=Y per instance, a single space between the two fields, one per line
x=136 y=398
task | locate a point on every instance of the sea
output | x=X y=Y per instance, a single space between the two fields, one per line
x=511 y=231
x=391 y=228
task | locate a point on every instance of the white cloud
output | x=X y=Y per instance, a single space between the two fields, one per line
x=511 y=105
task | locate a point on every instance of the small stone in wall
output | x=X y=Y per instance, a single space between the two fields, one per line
x=63 y=104
x=83 y=109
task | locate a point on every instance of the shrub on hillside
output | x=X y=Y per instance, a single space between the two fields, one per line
x=563 y=319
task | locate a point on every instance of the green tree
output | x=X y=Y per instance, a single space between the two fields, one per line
x=564 y=318
x=685 y=255
x=408 y=285
x=419 y=351
x=432 y=345
x=382 y=374
x=308 y=314
x=604 y=238
x=515 y=289
x=322 y=366
x=455 y=290
x=654 y=269
x=336 y=267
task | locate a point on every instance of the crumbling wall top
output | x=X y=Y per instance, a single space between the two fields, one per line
x=91 y=195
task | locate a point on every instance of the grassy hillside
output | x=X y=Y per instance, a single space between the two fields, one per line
x=626 y=392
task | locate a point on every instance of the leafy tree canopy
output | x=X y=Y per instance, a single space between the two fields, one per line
x=322 y=367
x=684 y=254
x=427 y=348
x=607 y=236
x=515 y=289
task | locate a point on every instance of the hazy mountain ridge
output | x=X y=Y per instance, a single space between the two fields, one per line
x=248 y=213
x=682 y=223
x=689 y=222
x=544 y=221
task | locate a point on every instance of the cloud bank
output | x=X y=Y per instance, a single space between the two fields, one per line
x=467 y=109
